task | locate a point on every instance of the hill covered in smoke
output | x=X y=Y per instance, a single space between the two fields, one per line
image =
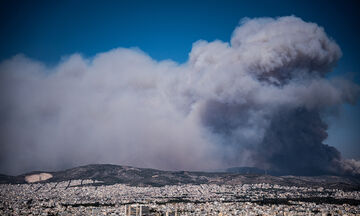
x=107 y=174
x=257 y=101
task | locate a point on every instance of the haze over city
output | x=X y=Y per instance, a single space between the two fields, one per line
x=203 y=85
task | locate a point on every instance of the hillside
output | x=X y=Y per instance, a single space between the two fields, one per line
x=106 y=174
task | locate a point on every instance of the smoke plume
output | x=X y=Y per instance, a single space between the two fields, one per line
x=256 y=101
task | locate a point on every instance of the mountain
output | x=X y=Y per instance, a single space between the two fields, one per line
x=106 y=174
x=250 y=170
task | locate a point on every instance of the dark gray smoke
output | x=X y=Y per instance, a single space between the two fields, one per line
x=294 y=144
x=256 y=101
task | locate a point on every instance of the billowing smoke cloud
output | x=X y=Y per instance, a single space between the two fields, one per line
x=256 y=101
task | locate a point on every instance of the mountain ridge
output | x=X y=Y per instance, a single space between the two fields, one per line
x=108 y=174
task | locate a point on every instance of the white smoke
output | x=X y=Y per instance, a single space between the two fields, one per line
x=212 y=112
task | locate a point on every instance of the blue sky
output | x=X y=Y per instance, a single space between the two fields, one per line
x=48 y=30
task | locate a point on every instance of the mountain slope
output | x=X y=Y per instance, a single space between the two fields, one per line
x=114 y=174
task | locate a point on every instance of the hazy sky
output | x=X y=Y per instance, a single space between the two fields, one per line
x=49 y=31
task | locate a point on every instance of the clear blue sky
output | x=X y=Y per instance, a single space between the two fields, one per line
x=47 y=30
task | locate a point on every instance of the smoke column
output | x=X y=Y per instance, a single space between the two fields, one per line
x=258 y=100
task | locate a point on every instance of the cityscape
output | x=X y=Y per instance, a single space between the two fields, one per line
x=89 y=197
x=172 y=108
